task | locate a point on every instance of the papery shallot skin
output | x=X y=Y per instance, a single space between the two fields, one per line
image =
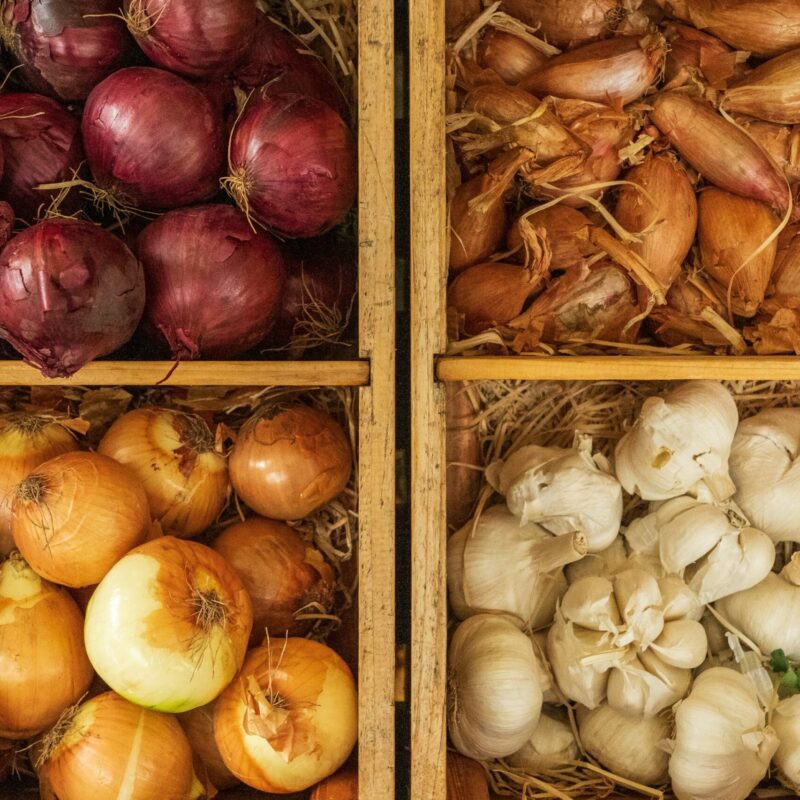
x=152 y=139
x=70 y=292
x=66 y=48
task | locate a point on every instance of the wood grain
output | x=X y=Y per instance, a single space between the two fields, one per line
x=376 y=505
x=429 y=337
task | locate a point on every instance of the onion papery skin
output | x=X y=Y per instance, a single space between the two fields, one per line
x=198 y=725
x=292 y=164
x=282 y=574
x=64 y=48
x=511 y=57
x=147 y=611
x=341 y=786
x=289 y=461
x=26 y=441
x=196 y=38
x=289 y=719
x=69 y=292
x=43 y=663
x=213 y=283
x=113 y=749
x=76 y=515
x=173 y=455
x=41 y=144
x=152 y=139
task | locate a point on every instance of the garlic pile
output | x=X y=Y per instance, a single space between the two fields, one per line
x=551 y=745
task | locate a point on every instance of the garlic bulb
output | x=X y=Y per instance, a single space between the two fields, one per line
x=547 y=683
x=551 y=745
x=766 y=612
x=564 y=490
x=605 y=562
x=679 y=444
x=494 y=697
x=616 y=638
x=765 y=466
x=627 y=745
x=722 y=745
x=786 y=722
x=711 y=546
x=494 y=564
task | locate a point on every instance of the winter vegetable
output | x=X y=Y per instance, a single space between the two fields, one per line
x=87 y=281
x=43 y=663
x=551 y=745
x=178 y=607
x=289 y=719
x=465 y=778
x=694 y=52
x=198 y=725
x=76 y=515
x=565 y=22
x=494 y=697
x=562 y=230
x=173 y=455
x=289 y=460
x=463 y=454
x=786 y=723
x=341 y=786
x=213 y=283
x=510 y=56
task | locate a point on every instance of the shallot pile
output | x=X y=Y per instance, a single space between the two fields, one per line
x=154 y=159
x=632 y=609
x=160 y=641
x=623 y=176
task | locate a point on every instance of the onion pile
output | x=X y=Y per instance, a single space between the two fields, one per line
x=634 y=114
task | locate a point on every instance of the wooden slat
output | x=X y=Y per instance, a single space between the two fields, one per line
x=428 y=276
x=376 y=505
x=197 y=373
x=618 y=368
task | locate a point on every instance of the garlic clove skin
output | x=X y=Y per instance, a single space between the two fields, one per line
x=680 y=443
x=494 y=697
x=682 y=644
x=551 y=745
x=639 y=600
x=590 y=603
x=613 y=559
x=786 y=722
x=646 y=685
x=627 y=745
x=678 y=600
x=547 y=682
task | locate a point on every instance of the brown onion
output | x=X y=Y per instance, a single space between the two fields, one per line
x=290 y=717
x=43 y=662
x=77 y=515
x=463 y=454
x=26 y=441
x=770 y=92
x=780 y=142
x=198 y=725
x=617 y=70
x=690 y=49
x=786 y=275
x=173 y=455
x=110 y=748
x=466 y=779
x=341 y=786
x=731 y=229
x=564 y=231
x=510 y=56
x=289 y=460
x=718 y=150
x=285 y=577
x=458 y=13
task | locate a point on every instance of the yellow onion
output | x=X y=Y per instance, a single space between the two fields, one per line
x=466 y=779
x=780 y=142
x=559 y=229
x=510 y=56
x=664 y=214
x=168 y=627
x=289 y=460
x=762 y=28
x=173 y=455
x=463 y=454
x=614 y=70
x=77 y=515
x=198 y=725
x=284 y=576
x=458 y=13
x=110 y=749
x=770 y=92
x=718 y=150
x=731 y=229
x=341 y=786
x=289 y=720
x=490 y=294
x=43 y=663
x=692 y=50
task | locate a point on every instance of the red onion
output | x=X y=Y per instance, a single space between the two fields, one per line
x=293 y=165
x=6 y=222
x=213 y=284
x=41 y=144
x=287 y=65
x=152 y=139
x=69 y=292
x=64 y=48
x=197 y=38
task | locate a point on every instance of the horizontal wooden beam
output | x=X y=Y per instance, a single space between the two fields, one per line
x=197 y=373
x=580 y=368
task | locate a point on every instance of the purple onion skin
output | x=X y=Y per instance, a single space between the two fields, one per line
x=6 y=222
x=64 y=52
x=195 y=38
x=41 y=144
x=213 y=284
x=152 y=139
x=70 y=292
x=296 y=159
